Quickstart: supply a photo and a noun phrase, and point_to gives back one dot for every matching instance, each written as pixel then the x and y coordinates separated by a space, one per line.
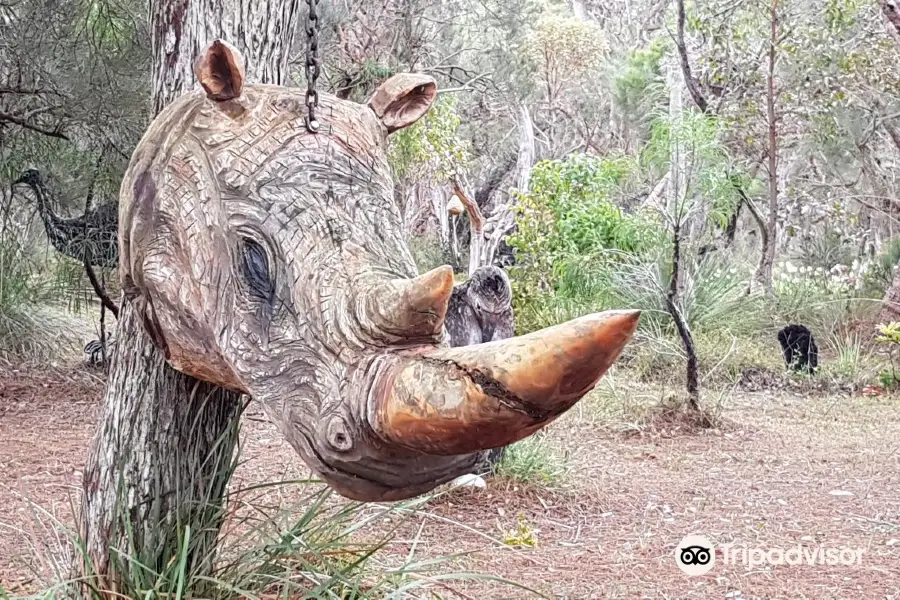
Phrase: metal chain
pixel 312 66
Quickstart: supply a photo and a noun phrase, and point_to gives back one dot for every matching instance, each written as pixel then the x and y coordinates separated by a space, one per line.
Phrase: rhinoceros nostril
pixel 338 435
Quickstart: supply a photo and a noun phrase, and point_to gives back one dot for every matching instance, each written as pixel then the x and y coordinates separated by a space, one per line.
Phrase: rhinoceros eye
pixel 255 267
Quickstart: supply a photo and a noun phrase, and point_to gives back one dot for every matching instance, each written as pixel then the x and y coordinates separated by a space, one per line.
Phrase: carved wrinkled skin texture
pixel 269 260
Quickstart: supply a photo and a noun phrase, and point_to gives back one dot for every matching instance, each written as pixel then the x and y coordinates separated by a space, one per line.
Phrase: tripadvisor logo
pixel 695 555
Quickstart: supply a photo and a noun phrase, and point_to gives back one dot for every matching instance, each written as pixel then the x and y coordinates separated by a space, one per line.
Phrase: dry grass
pixel 640 479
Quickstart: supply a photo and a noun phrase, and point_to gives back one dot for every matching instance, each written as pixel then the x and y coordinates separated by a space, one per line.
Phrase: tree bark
pixel 263 31
pixel 483 247
pixel 692 84
pixel 768 260
pixel 164 449
pixel 891 16
pixel 764 240
pixel 692 366
pixel 476 223
pixel 160 461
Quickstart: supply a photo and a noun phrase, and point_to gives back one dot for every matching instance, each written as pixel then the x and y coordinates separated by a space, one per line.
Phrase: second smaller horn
pixel 408 309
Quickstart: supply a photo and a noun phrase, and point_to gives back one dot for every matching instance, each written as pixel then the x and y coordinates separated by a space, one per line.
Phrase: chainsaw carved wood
pixel 269 260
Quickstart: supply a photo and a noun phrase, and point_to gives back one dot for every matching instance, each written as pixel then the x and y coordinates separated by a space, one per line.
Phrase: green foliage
pixel 889 335
pixel 577 251
pixel 712 291
pixel 321 547
pixel 851 357
pixel 430 148
pixel 367 79
pixel 568 216
pixel 575 195
pixel 523 536
pixel 841 14
pixel 427 253
pixel 824 251
pixel 820 303
pixel 888 379
pixel 105 25
pixel 709 175
pixel 639 88
pixel 881 271
pixel 32 323
pixel 566 47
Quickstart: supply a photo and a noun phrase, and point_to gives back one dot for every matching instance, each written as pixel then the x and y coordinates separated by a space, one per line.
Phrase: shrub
pixel 430 149
pixel 881 271
pixel 427 252
pixel 889 335
pixel 568 218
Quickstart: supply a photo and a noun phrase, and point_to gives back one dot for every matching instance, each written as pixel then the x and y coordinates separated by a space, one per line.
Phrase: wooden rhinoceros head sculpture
pixel 271 261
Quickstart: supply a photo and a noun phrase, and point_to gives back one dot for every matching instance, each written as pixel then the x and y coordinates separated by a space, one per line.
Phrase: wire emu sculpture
pixel 91 239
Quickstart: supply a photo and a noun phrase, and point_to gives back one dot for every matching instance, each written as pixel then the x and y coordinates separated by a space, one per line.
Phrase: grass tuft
pixel 534 462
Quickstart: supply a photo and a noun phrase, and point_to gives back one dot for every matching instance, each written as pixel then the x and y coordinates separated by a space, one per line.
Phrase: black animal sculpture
pixel 90 238
pixel 480 310
pixel 799 348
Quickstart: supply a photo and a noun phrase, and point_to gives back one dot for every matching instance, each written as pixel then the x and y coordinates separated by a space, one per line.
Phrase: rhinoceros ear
pixel 403 99
pixel 220 70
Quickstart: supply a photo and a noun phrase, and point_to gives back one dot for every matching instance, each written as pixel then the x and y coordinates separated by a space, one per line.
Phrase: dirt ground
pixel 781 470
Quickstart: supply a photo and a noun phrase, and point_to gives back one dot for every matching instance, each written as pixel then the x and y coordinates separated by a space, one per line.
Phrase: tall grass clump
pixel 316 546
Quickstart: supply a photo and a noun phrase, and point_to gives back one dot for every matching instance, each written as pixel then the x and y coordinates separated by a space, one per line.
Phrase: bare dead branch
pixel 693 85
pixel 24 124
pixel 472 209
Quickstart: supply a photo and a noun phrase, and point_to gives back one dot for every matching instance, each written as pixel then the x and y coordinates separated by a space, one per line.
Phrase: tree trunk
pixel 764 240
pixel 676 198
pixel 891 16
pixel 692 84
pixel 438 201
pixel 180 29
pixel 768 259
pixel 476 223
pixel 163 453
pixel 692 366
pixel 160 461
pixel 678 213
pixel 890 306
pixel 483 247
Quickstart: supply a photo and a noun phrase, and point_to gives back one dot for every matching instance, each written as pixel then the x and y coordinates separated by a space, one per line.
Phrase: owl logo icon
pixel 695 555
